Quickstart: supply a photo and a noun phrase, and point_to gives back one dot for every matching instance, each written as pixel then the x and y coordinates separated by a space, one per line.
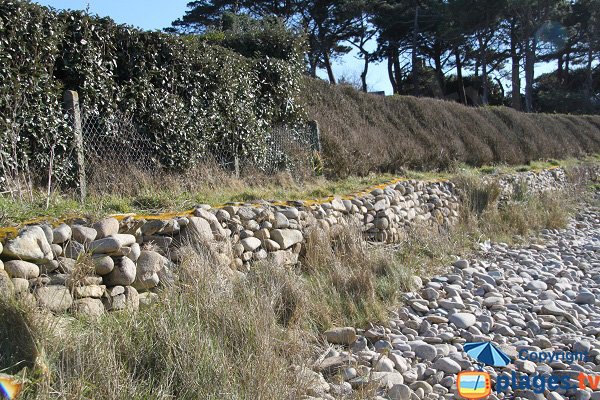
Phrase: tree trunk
pixel 390 59
pixel 329 68
pixel 484 75
pixel 439 72
pixel 363 75
pixel 530 49
pixel 516 69
pixel 397 71
pixel 560 67
pixel 459 78
pixel 415 58
pixel 312 63
pixel 589 82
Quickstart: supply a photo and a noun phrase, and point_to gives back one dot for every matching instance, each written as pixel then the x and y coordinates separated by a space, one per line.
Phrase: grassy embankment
pixel 364 133
pixel 213 335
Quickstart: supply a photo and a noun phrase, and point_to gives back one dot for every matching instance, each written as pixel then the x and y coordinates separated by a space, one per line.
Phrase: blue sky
pixel 158 14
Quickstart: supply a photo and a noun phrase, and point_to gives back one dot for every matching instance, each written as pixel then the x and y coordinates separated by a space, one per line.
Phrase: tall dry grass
pixel 216 334
pixel 364 133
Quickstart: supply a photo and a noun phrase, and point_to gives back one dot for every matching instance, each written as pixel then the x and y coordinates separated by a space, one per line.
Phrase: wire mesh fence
pixel 114 141
pixel 113 145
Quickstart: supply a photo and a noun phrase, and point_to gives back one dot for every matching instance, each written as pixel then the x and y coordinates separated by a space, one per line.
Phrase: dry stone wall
pixel 120 263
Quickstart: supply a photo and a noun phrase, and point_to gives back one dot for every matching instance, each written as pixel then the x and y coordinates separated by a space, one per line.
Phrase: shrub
pixel 190 97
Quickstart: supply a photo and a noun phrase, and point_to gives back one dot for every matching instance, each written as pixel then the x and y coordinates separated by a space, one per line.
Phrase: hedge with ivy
pixel 188 95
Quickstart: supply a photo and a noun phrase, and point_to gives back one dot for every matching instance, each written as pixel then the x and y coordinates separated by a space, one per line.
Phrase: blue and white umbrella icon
pixel 487 353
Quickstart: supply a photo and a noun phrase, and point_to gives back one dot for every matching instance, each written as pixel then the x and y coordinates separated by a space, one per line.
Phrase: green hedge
pixel 189 96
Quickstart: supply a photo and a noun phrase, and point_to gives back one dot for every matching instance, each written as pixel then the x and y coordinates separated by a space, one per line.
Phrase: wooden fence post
pixel 316 135
pixel 71 100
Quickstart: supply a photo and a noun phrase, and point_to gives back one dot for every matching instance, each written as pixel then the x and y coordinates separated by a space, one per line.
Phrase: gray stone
pixel 55 298
pixel 74 250
pixel 21 269
pixel 286 238
pixel 57 250
pixel 21 285
pixel 112 244
pixel 271 245
pixel 425 351
pixel 251 243
pixel 345 336
pixel 585 298
pixel 198 229
pixel 7 286
pixel 61 234
pixel 147 299
pixel 148 266
pixel 83 234
pixel 132 299
pixel 89 307
pixel 106 227
pixel 151 227
pixel 400 392
pixel 123 274
pixel 463 320
pixel 447 365
pixel 281 221
pixel 103 264
pixel 31 245
pixel 95 291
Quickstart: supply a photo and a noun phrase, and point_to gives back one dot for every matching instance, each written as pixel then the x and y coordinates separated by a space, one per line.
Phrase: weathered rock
pixel 286 238
pixel 83 234
pixel 251 243
pixel 61 234
pixel 57 250
pixel 55 298
pixel 103 264
pixel 106 227
pixel 20 285
pixel 21 269
pixel 7 287
pixel 95 291
pixel 271 245
pixel 151 227
pixel 31 245
pixel 123 273
pixel 90 307
pixel 463 320
pixel 198 229
pixel 400 392
pixel 132 299
pixel 147 299
pixel 74 250
pixel 148 265
pixel 345 336
pixel 447 365
pixel 112 244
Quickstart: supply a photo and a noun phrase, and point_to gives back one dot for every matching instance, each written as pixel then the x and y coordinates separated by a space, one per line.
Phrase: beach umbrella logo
pixel 487 353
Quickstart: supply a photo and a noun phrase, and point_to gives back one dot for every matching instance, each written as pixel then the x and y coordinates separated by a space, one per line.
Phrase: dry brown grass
pixel 215 334
pixel 363 133
pixel 210 336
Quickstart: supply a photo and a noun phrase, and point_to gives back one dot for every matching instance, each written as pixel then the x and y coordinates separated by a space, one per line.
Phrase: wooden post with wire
pixel 71 100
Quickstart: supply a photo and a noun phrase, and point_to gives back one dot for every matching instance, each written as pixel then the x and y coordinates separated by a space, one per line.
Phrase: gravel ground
pixel 527 300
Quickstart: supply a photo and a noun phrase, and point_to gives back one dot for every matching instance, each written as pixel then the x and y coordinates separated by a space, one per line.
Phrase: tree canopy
pixel 476 52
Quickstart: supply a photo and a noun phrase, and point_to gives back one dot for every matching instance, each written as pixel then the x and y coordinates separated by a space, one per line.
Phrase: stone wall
pixel 121 262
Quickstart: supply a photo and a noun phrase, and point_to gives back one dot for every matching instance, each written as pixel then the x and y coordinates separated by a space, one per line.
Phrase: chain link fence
pixel 112 145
